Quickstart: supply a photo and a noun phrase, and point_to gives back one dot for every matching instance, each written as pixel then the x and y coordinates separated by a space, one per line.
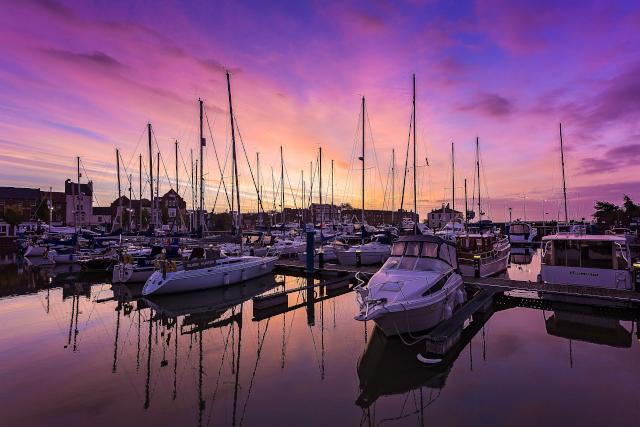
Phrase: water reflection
pixel 220 357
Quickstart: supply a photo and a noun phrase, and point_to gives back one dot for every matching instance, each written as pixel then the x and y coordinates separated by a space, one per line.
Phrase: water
pixel 71 355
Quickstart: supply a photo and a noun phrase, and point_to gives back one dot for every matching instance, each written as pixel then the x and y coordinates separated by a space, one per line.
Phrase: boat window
pixel 567 253
pixel 438 286
pixel 430 250
pixel 413 249
pixel 596 254
pixel 546 253
pixel 448 254
pixel 407 263
pixel 518 229
pixel 398 249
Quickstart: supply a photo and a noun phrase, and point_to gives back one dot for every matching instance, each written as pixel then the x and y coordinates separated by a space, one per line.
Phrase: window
pixel 596 254
pixel 397 249
pixel 567 253
pixel 438 286
pixel 413 249
pixel 430 250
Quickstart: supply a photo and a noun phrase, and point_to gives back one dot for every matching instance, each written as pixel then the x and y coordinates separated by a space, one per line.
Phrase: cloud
pixel 490 104
pixel 620 157
pixel 95 58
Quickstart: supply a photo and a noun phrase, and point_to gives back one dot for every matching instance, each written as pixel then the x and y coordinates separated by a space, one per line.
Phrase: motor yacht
pixel 417 287
pixel 586 259
pixel 372 253
pixel 521 232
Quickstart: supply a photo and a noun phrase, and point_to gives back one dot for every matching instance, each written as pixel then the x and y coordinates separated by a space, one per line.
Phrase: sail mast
pixel 140 193
pixel 235 163
pixel 393 182
pixel 152 222
pixel 202 144
pixel 320 191
pixel 466 207
pixel 478 170
pixel 282 185
pixel 362 231
pixel 177 182
pixel 415 192
pixel 332 205
pixel 453 178
pixel 119 191
pixel 564 183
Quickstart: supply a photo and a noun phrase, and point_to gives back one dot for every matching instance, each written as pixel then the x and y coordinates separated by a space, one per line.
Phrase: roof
pixel 72 187
pixel 19 193
pixel 586 237
pixel 424 238
pixel 100 210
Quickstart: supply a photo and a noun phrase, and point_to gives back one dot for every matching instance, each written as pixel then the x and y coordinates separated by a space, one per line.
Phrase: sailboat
pixel 375 252
pixel 201 273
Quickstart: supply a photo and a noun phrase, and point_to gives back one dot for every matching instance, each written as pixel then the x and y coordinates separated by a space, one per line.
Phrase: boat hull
pixel 35 251
pixel 594 277
pixel 488 267
pixel 366 258
pixel 207 278
pixel 128 273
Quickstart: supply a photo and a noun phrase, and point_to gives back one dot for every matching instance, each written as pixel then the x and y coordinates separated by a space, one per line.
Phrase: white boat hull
pixel 490 267
pixel 127 273
pixel 366 257
pixel 595 277
pixel 207 278
pixel 63 258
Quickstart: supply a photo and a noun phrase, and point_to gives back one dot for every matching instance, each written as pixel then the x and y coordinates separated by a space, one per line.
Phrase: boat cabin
pixel 584 259
pixel 422 253
pixel 519 228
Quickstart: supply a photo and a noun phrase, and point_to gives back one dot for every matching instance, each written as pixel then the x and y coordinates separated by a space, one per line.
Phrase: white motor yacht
pixel 198 274
pixel 483 252
pixel 588 260
pixel 371 253
pixel 522 232
pixel 416 288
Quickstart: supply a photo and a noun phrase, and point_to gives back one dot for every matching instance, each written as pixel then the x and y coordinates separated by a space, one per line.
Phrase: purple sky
pixel 82 78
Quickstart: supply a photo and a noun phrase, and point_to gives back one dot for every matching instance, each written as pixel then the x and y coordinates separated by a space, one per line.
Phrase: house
pixel 101 216
pixel 26 200
pixel 79 203
pixel 377 217
pixel 172 210
pixel 325 211
pixel 130 213
pixel 438 218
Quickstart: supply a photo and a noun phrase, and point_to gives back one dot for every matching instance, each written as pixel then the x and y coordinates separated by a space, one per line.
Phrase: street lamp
pixel 510 209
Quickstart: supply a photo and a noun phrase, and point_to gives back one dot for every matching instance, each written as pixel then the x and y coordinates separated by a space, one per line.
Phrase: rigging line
pixel 406 162
pixel 351 157
pixel 248 163
pixel 164 166
pixel 295 205
pixel 221 182
pixel 94 195
pixel 215 391
pixel 373 144
pixel 255 369
pixel 215 151
pixel 133 153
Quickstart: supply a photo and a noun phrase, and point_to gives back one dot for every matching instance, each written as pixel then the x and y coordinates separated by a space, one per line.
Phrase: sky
pixel 84 78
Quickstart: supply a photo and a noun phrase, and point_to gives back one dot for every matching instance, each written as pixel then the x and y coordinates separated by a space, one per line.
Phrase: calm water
pixel 71 354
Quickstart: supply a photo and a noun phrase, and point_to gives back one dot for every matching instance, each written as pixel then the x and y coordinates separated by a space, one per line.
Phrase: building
pixel 325 211
pixel 130 213
pixel 377 217
pixel 101 216
pixel 79 203
pixel 25 200
pixel 438 218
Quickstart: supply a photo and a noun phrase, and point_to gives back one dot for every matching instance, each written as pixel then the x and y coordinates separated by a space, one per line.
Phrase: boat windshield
pixel 518 228
pixel 585 254
pixel 420 256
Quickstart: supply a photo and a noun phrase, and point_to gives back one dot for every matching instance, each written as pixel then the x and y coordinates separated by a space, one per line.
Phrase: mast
pixel 50 208
pixel 282 185
pixel 453 178
pixel 303 185
pixel 152 222
pixel 466 207
pixel 202 144
pixel 564 183
pixel 158 175
pixel 119 191
pixel 140 194
pixel 478 170
pixel 77 195
pixel 177 184
pixel 130 211
pixel 258 179
pixel 362 158
pixel 235 164
pixel 332 205
pixel 393 182
pixel 415 192
pixel 193 194
pixel 320 190
pixel 196 192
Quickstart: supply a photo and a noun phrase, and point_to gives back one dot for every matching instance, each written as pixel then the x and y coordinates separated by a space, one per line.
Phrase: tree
pixel 607 213
pixel 13 215
pixel 345 206
pixel 631 210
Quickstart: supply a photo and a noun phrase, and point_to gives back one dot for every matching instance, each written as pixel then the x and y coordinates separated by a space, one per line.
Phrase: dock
pixel 487 296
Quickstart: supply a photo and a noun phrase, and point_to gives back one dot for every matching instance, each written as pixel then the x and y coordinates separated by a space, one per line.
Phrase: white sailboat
pixel 202 274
